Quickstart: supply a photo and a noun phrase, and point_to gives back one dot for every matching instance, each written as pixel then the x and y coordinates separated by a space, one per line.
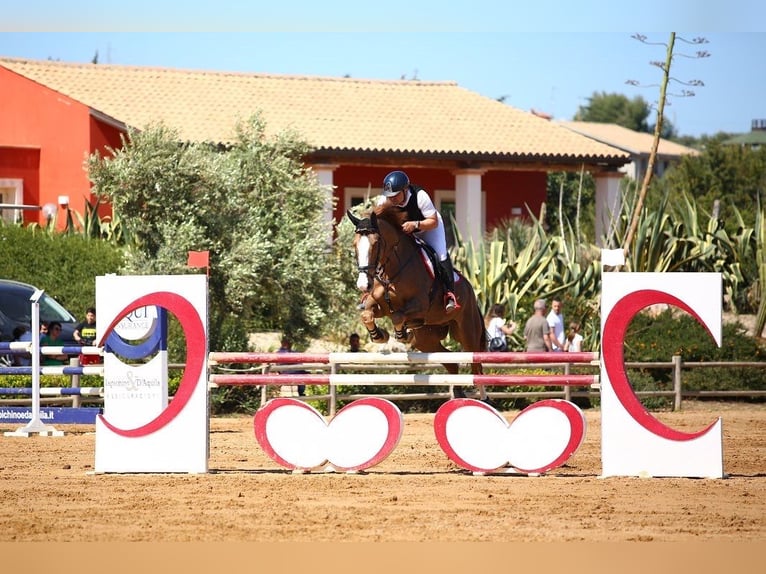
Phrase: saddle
pixel 431 262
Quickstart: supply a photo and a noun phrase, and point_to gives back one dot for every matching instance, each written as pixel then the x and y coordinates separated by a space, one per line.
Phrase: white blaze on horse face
pixel 363 260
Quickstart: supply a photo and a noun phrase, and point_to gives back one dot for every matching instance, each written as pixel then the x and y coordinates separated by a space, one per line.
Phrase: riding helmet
pixel 395 182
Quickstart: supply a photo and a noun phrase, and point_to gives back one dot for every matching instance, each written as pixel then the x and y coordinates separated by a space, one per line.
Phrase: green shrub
pixel 657 337
pixel 65 266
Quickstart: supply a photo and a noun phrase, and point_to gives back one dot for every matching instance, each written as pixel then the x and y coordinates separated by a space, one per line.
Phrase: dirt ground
pixel 49 493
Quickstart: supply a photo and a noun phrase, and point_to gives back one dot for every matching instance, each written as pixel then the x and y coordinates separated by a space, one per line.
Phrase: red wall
pixel 36 117
pixel 508 189
pixel 504 189
pixel 102 137
pixel 23 164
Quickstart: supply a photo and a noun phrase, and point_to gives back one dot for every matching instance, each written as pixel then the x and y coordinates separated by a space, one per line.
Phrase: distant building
pixel 637 144
pixel 755 139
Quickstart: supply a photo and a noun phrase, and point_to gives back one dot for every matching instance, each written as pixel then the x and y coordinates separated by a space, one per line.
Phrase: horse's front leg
pixel 370 311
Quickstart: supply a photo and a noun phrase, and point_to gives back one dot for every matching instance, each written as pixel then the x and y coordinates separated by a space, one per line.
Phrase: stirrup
pixel 451 303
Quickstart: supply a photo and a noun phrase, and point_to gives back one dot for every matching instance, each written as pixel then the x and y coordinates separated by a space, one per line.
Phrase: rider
pixel 423 220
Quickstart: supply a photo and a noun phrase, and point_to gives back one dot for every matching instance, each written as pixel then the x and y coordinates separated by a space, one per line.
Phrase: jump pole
pixel 403 358
pixel 403 379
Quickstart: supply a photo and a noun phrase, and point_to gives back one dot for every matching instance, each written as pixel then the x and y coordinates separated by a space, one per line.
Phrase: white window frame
pixel 448 196
pixel 12 192
pixel 357 193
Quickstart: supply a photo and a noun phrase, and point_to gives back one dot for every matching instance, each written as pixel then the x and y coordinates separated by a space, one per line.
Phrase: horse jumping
pixel 398 283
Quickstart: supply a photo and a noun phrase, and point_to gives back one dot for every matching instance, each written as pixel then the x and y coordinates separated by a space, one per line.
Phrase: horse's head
pixel 367 249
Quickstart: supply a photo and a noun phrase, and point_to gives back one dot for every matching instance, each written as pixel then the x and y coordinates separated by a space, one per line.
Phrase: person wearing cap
pixel 537 331
pixel 424 221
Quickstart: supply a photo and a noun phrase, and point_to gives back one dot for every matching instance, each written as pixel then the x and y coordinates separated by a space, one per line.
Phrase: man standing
pixel 85 335
pixel 556 324
pixel 537 331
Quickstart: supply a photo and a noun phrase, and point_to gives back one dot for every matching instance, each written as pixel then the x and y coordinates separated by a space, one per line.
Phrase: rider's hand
pixel 410 226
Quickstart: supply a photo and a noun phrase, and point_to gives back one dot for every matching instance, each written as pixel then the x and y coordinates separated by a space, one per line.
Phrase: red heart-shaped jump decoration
pixel 476 437
pixel 296 436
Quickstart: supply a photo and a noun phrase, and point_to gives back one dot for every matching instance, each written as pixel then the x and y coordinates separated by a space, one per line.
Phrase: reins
pixel 387 254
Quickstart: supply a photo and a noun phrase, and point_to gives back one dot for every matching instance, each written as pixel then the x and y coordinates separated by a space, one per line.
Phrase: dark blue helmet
pixel 395 182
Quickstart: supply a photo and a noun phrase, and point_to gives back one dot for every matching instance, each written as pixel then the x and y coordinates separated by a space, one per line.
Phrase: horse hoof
pixel 458 393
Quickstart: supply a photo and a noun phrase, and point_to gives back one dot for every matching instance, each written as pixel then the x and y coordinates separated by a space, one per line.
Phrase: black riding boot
pixel 448 276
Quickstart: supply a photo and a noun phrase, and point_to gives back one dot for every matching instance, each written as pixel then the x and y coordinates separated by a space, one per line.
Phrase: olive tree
pixel 252 204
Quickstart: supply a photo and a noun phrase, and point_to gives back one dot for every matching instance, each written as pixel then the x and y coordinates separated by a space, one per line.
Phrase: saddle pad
pixel 430 265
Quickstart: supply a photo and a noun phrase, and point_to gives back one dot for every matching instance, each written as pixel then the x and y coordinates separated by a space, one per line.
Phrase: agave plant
pixel 760 258
pixel 107 228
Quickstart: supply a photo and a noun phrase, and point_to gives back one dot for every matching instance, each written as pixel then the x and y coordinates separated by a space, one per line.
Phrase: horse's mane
pixel 392 214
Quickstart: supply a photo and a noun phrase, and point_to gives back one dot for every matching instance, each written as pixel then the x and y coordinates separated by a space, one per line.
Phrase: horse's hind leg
pixel 456 391
pixel 477 369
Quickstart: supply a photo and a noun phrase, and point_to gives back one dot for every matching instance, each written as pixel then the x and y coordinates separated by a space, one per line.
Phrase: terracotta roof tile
pixel 636 143
pixel 330 113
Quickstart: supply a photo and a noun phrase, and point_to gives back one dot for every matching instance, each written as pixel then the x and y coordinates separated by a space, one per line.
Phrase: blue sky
pixel 551 57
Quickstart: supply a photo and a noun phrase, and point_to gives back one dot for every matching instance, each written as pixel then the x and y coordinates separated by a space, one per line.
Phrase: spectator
pixel 353 343
pixel 22 334
pixel 574 340
pixel 497 329
pixel 556 324
pixel 287 347
pixel 85 335
pixel 537 331
pixel 50 339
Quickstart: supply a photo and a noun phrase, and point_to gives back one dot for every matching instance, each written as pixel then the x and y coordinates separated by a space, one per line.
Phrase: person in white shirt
pixel 556 323
pixel 497 329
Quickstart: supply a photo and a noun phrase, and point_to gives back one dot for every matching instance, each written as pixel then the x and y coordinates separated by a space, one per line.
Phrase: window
pixel 354 196
pixel 444 200
pixel 12 192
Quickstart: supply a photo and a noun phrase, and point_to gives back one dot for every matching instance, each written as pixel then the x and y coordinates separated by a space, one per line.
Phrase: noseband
pixel 366 228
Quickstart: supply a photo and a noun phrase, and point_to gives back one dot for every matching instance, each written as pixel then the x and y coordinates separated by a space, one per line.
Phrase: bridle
pixel 373 268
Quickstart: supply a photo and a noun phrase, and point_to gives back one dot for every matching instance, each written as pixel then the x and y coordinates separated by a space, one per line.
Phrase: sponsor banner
pixel 51 415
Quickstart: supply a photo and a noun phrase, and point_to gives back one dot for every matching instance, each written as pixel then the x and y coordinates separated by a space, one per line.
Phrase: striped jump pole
pixel 333 380
pixel 403 358
pixel 97 370
pixel 55 391
pixel 403 379
pixel 25 347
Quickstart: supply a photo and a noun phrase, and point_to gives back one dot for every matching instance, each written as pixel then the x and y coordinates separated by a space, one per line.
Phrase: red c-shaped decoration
pixel 194 332
pixel 612 350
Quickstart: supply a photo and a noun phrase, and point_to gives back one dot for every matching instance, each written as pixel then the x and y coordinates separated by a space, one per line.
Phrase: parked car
pixel 16 309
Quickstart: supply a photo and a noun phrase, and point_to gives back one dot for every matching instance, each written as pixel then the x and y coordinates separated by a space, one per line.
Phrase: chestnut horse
pixel 398 283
